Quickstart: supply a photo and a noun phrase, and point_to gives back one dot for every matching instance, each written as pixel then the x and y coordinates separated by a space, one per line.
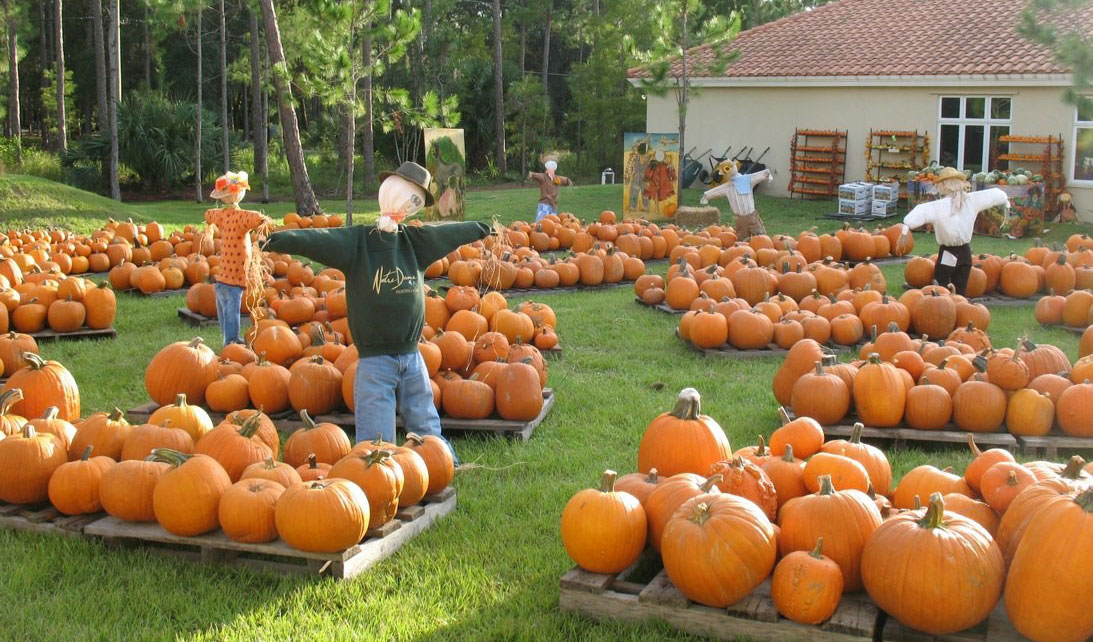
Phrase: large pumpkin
pixel 192 419
pixel 936 572
pixel 187 495
pixel 44 384
pixel 879 394
pixel 717 548
pixel 326 441
pixel 27 461
pixel 184 367
pixel 235 446
pixel 379 476
pixel 126 489
pixel 871 458
pixel 683 440
pixel 247 509
pixel 315 386
pixel 438 459
pixel 106 432
pixel 74 486
pixel 322 516
pixel 518 396
pixel 604 530
pixel 820 395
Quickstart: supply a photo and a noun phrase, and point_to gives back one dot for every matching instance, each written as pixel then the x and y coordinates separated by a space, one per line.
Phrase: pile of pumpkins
pixel 1073 311
pixel 59 251
pixel 318 493
pixel 39 301
pixel 482 360
pixel 823 519
pixel 293 221
pixel 1042 270
pixel 900 381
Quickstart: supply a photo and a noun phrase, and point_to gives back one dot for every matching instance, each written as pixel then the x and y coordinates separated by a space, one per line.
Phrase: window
pixel 1083 143
pixel 969 128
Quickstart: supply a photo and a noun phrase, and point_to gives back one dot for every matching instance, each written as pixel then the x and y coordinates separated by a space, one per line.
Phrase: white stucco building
pixel 956 69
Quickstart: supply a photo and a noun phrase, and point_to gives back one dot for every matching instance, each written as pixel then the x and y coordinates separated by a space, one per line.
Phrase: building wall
pixel 760 116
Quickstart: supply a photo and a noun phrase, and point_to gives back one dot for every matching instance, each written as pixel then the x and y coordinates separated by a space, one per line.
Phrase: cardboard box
pixel 854 207
pixel 886 192
pixel 855 191
pixel 884 208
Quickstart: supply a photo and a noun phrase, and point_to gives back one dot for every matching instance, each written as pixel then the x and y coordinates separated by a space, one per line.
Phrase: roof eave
pixel 962 80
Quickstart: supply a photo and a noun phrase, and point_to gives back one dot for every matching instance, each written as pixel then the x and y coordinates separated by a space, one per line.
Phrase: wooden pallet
pixel 572 288
pixel 899 436
pixel 1049 445
pixel 727 351
pixel 663 307
pixel 888 260
pixel 278 556
pixel 996 299
pixel 617 597
pixel 82 333
pixel 198 320
pixel 521 429
pixel 1069 328
pixel 284 419
pixel 43 518
pixel 156 295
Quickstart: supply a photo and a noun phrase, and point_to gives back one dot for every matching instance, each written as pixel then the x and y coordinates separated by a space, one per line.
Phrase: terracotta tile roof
pixel 889 38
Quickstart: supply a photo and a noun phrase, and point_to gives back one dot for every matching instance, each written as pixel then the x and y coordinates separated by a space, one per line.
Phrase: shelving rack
pixel 817 164
pixel 1050 161
pixel 890 154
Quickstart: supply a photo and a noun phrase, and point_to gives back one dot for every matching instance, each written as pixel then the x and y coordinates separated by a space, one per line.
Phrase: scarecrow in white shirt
pixel 738 191
pixel 953 217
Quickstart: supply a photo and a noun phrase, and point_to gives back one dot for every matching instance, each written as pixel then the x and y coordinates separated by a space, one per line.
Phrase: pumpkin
pixel 27 461
pixel 326 441
pixel 879 394
pixel 717 548
pixel 192 419
pixel 519 396
pixel 415 475
pixel 845 473
pixel 379 476
pixel 973 509
pixel 183 367
pixel 267 432
pixel 1045 598
pixel 268 386
pixel 247 510
pixel 683 440
pixel 312 470
pixel 322 516
pixel 803 433
pixel 871 458
pixel 1073 410
pixel 821 396
pixel 925 480
pixel 12 348
pixel 604 530
pixel 979 406
pixel 125 490
pixel 44 384
pixel 74 486
pixel 934 315
pixel 1030 413
pixel 982 461
pixel 1030 501
pixel 234 446
pixel 845 519
pixel 272 470
pixel 800 360
pixel 1007 371
pixel 106 432
pixel 640 485
pixel 1001 483
pixel 227 393
pixel 744 478
pixel 145 438
pixel 187 495
pixel 669 495
pixel 936 572
pixel 438 458
pixel 787 475
pixel 806 586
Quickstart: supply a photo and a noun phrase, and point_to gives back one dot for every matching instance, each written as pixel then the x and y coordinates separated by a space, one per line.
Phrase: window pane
pixel 998 149
pixel 949 147
pixel 1000 108
pixel 1085 112
pixel 950 107
pixel 974 107
pixel 973 148
pixel 1083 155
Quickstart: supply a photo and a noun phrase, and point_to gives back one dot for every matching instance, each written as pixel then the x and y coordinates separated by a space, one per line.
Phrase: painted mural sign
pixel 650 167
pixel 445 158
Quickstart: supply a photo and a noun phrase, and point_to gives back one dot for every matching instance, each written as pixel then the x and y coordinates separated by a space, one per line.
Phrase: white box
pixel 884 208
pixel 854 207
pixel 886 192
pixel 855 191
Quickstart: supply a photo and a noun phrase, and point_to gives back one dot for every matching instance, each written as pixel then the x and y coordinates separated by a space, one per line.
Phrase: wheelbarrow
pixel 749 166
pixel 692 168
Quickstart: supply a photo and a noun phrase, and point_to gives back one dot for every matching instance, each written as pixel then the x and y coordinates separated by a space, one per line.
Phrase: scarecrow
pixel 738 189
pixel 240 265
pixel 953 217
pixel 383 266
pixel 548 188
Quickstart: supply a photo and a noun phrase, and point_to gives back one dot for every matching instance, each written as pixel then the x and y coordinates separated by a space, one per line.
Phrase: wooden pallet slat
pixel 193 318
pixel 285 419
pixel 82 333
pixel 1049 445
pixel 900 435
pixel 43 518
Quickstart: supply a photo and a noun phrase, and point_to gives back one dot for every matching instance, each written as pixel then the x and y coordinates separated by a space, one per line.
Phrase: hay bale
pixel 698 216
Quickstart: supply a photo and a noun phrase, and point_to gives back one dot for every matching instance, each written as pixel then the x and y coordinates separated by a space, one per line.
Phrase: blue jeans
pixel 228 300
pixel 384 379
pixel 544 210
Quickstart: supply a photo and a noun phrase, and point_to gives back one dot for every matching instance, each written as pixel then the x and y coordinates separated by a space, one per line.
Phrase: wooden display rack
pixel 1049 157
pixel 817 162
pixel 890 154
pixel 277 556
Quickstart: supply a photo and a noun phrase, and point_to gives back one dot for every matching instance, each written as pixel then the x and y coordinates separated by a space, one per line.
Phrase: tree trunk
pixel 117 48
pixel 100 61
pixel 44 59
pixel 112 44
pixel 546 46
pixel 498 89
pixel 523 46
pixel 350 148
pixel 147 48
pixel 62 125
pixel 259 122
pixel 755 22
pixel 225 126
pixel 198 191
pixel 306 203
pixel 684 81
pixel 368 139
pixel 13 75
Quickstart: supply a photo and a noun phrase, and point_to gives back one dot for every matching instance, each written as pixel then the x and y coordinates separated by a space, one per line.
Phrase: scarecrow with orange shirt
pixel 239 263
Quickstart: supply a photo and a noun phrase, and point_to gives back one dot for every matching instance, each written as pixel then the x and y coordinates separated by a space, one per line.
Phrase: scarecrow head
pixel 230 188
pixel 403 193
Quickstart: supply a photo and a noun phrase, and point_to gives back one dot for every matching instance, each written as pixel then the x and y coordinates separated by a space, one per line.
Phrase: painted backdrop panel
pixel 446 160
pixel 650 167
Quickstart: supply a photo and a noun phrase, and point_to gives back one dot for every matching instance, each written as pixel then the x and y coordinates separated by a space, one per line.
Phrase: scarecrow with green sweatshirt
pixel 383 266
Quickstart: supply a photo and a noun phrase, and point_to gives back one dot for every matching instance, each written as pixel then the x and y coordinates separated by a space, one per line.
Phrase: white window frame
pixel 962 121
pixel 1072 161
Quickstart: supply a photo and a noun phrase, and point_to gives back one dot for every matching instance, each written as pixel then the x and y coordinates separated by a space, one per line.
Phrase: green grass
pixel 490 570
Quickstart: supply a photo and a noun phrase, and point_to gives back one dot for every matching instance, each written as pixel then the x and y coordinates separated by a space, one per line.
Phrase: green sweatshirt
pixel 384 272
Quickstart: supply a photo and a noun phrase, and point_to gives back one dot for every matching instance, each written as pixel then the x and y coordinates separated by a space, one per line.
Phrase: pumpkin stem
pixel 761 450
pixel 50 413
pixel 312 461
pixel 86 453
pixel 701 513
pixel 688 405
pixel 783 415
pixel 250 426
pixel 1085 500
pixel 195 342
pixel 788 456
pixel 1073 468
pixel 826 487
pixel 379 456
pixel 116 414
pixel 607 482
pixel 9 398
pixel 28 431
pixel 935 513
pixel 309 423
pixel 817 552
pixel 711 482
pixel 269 464
pixel 169 456
pixel 872 492
pixel 855 434
pixel 975 449
pixel 820 368
pixel 34 362
pixel 652 478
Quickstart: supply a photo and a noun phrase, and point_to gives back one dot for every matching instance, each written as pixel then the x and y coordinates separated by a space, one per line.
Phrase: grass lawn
pixel 490 570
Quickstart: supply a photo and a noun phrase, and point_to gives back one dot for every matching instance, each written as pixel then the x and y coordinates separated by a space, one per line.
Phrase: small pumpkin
pixel 247 510
pixel 806 587
pixel 187 496
pixel 322 516
pixel 604 530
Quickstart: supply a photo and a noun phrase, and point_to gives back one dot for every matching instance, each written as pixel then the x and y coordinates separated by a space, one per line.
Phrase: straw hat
pixel 950 174
pixel 230 184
